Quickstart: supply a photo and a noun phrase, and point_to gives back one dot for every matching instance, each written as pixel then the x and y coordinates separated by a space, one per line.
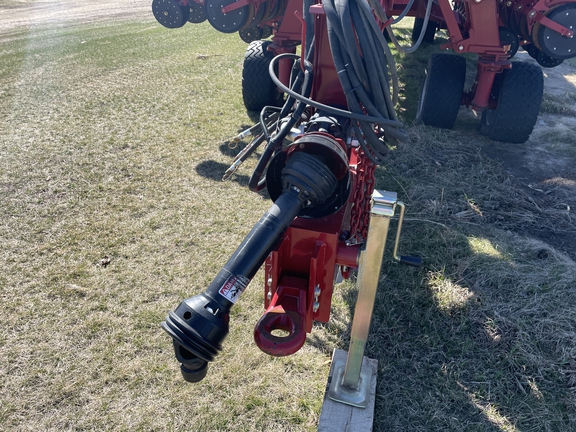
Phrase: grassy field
pixel 112 146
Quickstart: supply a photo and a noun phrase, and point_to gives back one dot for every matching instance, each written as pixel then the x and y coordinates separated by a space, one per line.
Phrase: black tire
pixel 258 89
pixel 519 96
pixel 430 30
pixel 442 91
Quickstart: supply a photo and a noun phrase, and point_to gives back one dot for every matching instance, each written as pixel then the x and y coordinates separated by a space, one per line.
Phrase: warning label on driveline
pixel 233 287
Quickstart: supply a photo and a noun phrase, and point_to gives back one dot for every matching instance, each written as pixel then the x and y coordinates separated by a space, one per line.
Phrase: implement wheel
pixel 430 31
pixel 519 94
pixel 442 91
pixel 229 22
pixel 258 89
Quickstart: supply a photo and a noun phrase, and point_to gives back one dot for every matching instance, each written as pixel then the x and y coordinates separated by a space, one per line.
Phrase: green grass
pixel 111 145
pixel 105 137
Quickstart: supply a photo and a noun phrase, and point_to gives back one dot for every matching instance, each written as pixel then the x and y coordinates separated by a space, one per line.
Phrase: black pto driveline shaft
pixel 200 323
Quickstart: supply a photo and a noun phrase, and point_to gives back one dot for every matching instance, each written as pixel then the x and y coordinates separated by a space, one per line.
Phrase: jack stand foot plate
pixel 357 397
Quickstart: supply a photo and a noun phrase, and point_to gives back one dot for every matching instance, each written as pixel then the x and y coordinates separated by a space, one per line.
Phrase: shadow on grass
pixel 254 116
pixel 214 171
pixel 454 350
pixel 478 338
pixel 481 337
pixel 231 150
pixel 455 357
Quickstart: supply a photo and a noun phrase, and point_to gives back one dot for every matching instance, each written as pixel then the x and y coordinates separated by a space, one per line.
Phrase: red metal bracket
pixel 487 71
pixel 317 9
pixel 236 5
pixel 553 25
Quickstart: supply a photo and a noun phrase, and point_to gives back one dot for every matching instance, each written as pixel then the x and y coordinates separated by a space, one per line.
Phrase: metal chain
pixel 365 182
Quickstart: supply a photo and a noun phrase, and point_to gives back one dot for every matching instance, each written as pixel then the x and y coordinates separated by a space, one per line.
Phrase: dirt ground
pixel 543 166
pixel 535 161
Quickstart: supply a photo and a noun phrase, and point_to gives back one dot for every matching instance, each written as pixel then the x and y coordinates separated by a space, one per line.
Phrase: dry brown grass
pixel 482 338
pixel 111 146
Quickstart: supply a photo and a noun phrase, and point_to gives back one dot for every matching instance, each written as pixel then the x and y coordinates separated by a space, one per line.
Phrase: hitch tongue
pixel 280 331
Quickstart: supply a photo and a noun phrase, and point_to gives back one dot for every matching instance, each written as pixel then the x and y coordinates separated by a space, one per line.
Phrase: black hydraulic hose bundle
pixel 363 73
pixel 378 10
pixel 327 108
pixel 303 82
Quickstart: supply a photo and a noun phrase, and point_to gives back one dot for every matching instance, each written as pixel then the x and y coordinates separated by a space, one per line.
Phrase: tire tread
pixel 443 90
pixel 519 100
pixel 258 89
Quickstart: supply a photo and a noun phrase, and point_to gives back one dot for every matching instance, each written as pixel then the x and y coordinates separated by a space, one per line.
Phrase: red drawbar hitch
pixel 286 313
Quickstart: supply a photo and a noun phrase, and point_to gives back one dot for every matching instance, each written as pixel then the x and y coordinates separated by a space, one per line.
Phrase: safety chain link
pixel 365 182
